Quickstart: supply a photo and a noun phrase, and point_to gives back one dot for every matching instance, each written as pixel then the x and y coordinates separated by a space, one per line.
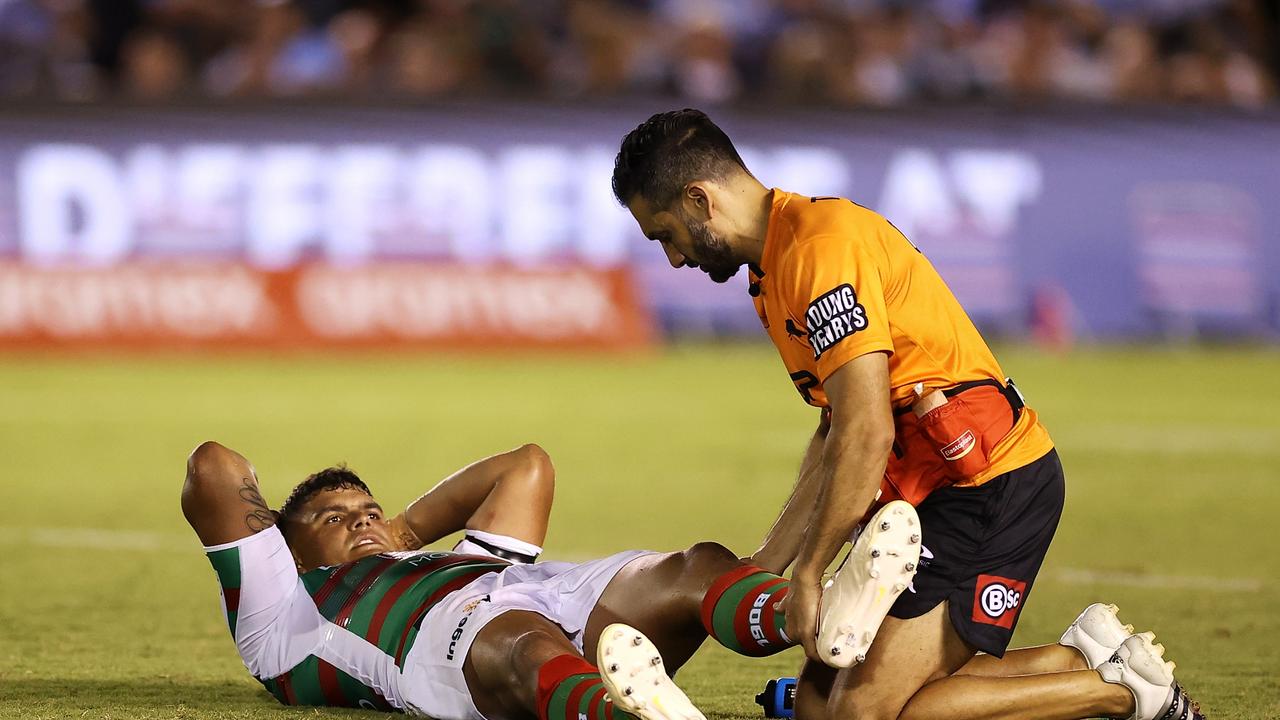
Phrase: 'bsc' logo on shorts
pixel 996 600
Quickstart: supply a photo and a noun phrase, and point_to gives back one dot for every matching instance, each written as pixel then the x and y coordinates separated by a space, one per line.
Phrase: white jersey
pixel 388 631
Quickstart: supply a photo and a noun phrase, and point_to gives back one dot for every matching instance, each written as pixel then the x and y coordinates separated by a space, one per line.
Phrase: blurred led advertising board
pixel 143 305
pixel 447 226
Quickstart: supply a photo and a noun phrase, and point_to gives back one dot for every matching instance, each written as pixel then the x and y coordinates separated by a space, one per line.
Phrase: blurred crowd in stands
pixel 879 53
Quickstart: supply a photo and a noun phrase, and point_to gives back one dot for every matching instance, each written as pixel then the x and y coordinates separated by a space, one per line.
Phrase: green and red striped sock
pixel 570 688
pixel 738 611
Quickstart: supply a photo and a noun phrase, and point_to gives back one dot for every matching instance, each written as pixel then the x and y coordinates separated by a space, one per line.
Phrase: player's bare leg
pixel 505 660
pixel 677 598
pixel 522 666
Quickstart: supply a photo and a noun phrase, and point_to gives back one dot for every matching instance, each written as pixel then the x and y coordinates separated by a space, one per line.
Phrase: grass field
pixel 108 608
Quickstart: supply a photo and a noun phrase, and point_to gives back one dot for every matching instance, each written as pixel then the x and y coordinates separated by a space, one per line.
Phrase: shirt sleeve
pixel 835 291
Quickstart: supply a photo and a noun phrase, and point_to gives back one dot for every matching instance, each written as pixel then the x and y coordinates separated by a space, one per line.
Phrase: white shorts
pixel 432 683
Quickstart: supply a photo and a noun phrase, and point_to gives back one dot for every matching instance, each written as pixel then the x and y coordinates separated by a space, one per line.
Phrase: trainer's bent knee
pixel 842 705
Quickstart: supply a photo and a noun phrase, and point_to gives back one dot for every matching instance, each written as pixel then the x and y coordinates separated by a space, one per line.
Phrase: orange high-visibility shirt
pixel 837 281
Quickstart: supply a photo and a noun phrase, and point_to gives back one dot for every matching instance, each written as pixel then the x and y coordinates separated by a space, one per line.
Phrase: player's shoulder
pixel 817 217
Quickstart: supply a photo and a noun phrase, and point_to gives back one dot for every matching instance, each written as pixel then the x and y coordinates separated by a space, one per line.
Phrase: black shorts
pixel 982 548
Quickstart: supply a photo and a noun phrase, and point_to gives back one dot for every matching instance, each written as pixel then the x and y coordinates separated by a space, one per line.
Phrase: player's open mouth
pixel 366 540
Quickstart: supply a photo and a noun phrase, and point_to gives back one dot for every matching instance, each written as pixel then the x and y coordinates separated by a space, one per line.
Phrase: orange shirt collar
pixel 772 240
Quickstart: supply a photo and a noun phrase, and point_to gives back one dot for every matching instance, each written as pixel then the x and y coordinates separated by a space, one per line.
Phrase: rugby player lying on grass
pixel 327 608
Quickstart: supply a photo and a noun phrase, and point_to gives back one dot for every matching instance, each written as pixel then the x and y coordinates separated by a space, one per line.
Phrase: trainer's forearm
pixel 852 467
pixel 782 543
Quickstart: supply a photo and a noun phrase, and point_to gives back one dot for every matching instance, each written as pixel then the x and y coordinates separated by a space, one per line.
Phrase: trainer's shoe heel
pixel 876 571
pixel 1138 665
pixel 1096 633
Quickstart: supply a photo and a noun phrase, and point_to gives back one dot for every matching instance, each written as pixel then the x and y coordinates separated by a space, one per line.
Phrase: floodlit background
pixel 382 232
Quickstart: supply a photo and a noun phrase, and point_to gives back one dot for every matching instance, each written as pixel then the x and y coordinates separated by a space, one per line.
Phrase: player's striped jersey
pixel 380 599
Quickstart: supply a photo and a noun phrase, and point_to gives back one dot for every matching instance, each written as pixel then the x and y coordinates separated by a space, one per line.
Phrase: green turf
pixel 1172 457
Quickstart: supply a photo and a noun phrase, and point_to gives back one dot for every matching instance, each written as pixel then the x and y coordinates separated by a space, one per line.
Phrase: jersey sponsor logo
pixel 457 635
pixel 754 619
pixel 834 316
pixel 457 632
pixel 996 600
pixel 959 447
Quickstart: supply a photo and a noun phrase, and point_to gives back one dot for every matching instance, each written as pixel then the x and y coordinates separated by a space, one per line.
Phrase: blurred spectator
pixel 845 52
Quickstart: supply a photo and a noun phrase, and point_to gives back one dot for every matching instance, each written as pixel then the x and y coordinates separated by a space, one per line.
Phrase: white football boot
pixel 635 678
pixel 1097 633
pixel 875 572
pixel 1139 666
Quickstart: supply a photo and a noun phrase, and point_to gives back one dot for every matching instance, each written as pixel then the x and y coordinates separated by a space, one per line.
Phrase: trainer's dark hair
pixel 669 150
pixel 339 477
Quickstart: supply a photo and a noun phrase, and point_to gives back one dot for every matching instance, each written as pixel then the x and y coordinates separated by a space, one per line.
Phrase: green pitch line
pixel 110 611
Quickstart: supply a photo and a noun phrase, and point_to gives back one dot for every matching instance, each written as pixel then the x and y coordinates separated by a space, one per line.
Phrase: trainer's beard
pixel 714 256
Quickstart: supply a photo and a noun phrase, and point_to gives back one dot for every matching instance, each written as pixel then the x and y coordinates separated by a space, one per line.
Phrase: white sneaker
pixel 1139 666
pixel 635 678
pixel 875 572
pixel 1097 633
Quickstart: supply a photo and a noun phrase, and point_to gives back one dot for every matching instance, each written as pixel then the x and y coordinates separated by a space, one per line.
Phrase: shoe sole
pixel 635 678
pixel 876 571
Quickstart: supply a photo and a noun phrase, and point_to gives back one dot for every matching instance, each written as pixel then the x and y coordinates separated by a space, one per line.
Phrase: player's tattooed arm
pixel 220 496
pixel 259 516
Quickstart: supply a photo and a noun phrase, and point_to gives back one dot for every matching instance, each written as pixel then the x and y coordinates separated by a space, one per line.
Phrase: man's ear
pixel 697 201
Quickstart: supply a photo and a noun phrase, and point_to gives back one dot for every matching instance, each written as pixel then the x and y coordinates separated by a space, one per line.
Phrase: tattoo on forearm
pixel 409 541
pixel 260 517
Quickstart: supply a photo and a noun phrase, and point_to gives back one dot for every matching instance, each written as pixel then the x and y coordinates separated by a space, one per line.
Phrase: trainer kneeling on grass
pixel 913 407
pixel 331 603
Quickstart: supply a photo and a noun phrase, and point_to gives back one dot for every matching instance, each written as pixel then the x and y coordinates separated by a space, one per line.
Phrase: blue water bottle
pixel 779 698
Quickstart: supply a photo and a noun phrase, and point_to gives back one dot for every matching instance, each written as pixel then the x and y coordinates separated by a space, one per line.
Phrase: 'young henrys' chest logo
pixel 834 316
